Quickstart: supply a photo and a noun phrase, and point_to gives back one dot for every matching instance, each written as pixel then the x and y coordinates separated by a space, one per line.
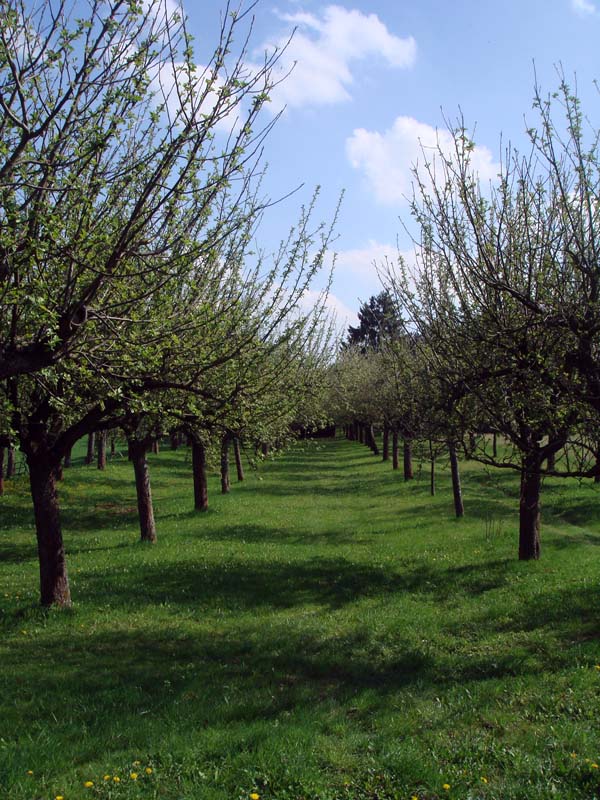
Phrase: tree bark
pixel 408 468
pixel 68 461
pixel 155 447
pixel 137 450
pixel 386 442
pixel 11 467
pixel 101 450
pixel 265 449
pixel 54 582
pixel 529 508
pixel 238 459
pixel 432 470
pixel 395 459
pixel 370 440
pixel 200 475
pixel 225 483
pixel 90 448
pixel 2 452
pixel 174 440
pixel 459 508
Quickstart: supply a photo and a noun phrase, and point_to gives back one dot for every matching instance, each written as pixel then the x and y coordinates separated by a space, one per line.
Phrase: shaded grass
pixel 325 631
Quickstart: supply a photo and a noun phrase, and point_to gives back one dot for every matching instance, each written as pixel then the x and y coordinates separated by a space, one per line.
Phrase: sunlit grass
pixel 324 631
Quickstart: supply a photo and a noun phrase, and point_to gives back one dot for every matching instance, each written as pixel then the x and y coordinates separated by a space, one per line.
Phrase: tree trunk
pixel 174 440
pixel 596 476
pixel 386 442
pixel 54 583
pixel 2 452
pixel 265 449
pixel 495 444
pixel 137 451
pixel 432 470
pixel 225 483
pixel 551 462
pixel 238 459
pixel 459 508
pixel 200 475
pixel 102 450
pixel 156 447
pixel 395 459
pixel 11 467
pixel 371 440
pixel 529 509
pixel 67 461
pixel 91 443
pixel 408 468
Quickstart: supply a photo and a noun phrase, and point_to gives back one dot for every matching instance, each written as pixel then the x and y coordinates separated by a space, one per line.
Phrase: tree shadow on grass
pixel 247 585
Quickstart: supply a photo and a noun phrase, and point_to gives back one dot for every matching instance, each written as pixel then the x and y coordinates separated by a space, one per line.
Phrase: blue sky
pixel 372 79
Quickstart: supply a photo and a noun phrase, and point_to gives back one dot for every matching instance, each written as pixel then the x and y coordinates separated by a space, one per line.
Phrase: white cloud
pixel 386 159
pixel 342 314
pixel 583 7
pixel 324 49
pixel 363 262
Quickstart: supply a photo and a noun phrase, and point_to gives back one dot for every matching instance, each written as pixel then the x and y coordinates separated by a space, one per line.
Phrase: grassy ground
pixel 325 631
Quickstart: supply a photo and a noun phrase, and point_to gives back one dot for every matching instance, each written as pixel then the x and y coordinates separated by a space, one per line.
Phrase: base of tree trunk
pixel 54 582
pixel 200 475
pixel 530 509
pixel 137 450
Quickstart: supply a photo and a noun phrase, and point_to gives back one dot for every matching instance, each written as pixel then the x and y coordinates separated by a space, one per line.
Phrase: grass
pixel 324 632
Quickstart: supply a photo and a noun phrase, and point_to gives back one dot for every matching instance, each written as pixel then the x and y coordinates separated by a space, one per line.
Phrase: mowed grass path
pixel 326 632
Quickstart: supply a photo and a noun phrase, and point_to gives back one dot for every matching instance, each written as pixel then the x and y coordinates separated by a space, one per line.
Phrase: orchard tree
pixel 126 219
pixel 490 299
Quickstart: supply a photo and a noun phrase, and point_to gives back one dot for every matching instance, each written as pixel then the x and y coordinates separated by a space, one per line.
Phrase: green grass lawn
pixel 324 631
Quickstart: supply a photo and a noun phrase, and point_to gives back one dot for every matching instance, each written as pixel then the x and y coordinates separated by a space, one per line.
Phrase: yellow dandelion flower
pixel 116 779
pixel 446 787
pixel 59 797
pixel 106 778
pixel 573 755
pixel 414 797
pixel 88 784
pixel 148 770
pixel 136 763
pixel 598 667
pixel 254 796
pixel 594 766
pixel 30 772
pixel 133 776
pixel 484 779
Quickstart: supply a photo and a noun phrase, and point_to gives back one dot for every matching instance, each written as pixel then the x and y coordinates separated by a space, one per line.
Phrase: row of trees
pixel 132 294
pixel 500 315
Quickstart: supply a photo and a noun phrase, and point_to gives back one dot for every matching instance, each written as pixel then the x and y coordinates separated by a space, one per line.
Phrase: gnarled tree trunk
pixel 370 440
pixel 91 445
pixel 101 450
pixel 386 442
pixel 54 582
pixel 11 467
pixel 529 507
pixel 432 470
pixel 225 483
pixel 137 452
pixel 408 468
pixel 459 508
pixel 200 474
pixel 238 459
